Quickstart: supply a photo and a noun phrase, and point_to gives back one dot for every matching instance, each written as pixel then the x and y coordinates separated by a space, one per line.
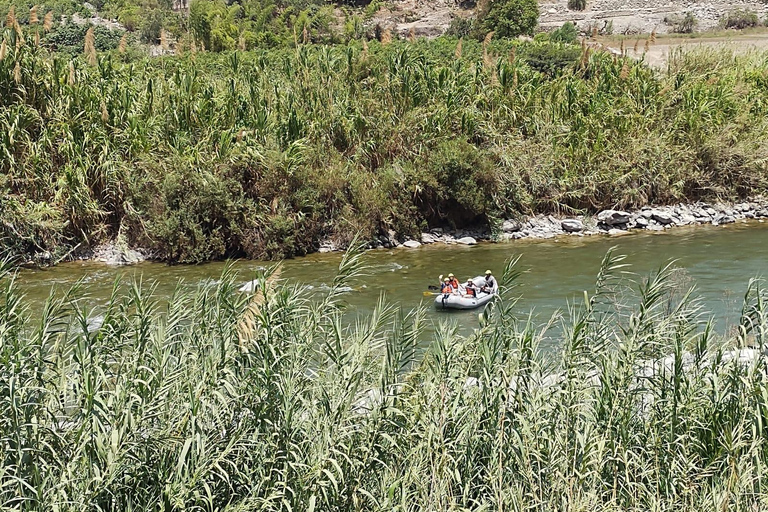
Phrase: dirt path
pixel 658 53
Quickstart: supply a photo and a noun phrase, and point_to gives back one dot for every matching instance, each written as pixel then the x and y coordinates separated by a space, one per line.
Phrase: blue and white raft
pixel 462 300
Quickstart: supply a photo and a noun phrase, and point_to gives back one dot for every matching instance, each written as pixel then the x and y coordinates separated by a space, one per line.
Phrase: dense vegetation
pixel 263 153
pixel 218 401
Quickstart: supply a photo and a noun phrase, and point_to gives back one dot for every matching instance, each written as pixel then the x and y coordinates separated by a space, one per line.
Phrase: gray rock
pixel 572 225
pixel 428 238
pixel 467 240
pixel 613 217
pixel 411 244
pixel 510 226
pixel 662 217
pixel 725 219
pixel 436 231
pixel 641 222
pixel 687 218
pixel 616 231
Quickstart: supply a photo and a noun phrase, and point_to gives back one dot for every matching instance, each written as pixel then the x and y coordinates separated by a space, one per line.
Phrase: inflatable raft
pixel 463 301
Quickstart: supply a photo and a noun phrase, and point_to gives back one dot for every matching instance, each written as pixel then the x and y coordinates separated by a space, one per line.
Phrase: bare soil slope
pixel 430 18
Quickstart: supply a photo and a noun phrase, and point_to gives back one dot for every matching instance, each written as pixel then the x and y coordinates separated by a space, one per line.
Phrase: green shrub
pixel 550 59
pixel 577 5
pixel 461 27
pixel 739 19
pixel 568 34
pixel 70 38
pixel 510 18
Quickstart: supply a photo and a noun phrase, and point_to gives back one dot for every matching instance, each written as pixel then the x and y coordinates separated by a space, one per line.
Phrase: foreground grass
pixel 263 154
pixel 218 401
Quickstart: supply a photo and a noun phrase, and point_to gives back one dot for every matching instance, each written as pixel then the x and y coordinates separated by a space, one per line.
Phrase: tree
pixel 510 18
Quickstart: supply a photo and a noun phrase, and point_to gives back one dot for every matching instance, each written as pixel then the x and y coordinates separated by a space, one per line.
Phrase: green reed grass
pixel 180 404
pixel 264 153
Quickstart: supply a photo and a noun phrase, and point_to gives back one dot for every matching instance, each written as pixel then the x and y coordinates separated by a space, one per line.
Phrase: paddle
pixel 430 294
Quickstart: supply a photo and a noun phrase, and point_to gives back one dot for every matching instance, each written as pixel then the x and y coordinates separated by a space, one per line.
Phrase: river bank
pixel 606 222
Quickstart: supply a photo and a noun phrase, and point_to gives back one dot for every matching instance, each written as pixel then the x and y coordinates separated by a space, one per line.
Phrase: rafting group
pixel 472 294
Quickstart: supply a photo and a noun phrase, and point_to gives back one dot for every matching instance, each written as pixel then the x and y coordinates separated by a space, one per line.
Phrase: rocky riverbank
pixel 606 222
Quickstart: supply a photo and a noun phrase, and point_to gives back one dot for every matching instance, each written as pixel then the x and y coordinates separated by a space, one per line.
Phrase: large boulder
pixel 428 238
pixel 572 225
pixel 411 244
pixel 662 217
pixel 613 217
pixel 467 240
pixel 510 226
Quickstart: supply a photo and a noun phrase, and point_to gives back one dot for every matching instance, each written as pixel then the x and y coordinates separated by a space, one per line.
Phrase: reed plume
pixel 412 35
pixel 48 21
pixel 386 36
pixel 33 19
pixel 123 43
pixel 71 78
pixel 3 50
pixel 305 35
pixel 90 47
pixel 10 18
pixel 459 48
pixel 248 327
pixel 17 73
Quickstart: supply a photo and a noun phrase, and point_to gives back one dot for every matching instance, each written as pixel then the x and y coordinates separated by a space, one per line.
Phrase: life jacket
pixel 471 291
pixel 455 283
pixel 446 287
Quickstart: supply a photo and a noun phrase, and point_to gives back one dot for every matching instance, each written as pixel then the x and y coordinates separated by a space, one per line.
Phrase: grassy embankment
pixel 222 402
pixel 261 154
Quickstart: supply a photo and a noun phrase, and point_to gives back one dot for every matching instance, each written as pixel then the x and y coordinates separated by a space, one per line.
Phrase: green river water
pixel 719 260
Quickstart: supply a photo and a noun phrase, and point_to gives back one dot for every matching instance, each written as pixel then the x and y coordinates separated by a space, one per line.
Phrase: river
pixel 720 260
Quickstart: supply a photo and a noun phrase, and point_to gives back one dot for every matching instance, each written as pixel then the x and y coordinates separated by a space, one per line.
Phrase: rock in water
pixel 467 240
pixel 572 225
pixel 411 244
pixel 613 217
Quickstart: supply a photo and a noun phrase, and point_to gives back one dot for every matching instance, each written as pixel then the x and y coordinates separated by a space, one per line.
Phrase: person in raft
pixel 445 286
pixel 490 283
pixel 454 282
pixel 471 289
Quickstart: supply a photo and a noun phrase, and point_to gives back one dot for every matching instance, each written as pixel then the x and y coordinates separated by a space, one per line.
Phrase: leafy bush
pixel 70 38
pixel 685 24
pixel 551 59
pixel 461 27
pixel 568 34
pixel 577 5
pixel 510 18
pixel 739 19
